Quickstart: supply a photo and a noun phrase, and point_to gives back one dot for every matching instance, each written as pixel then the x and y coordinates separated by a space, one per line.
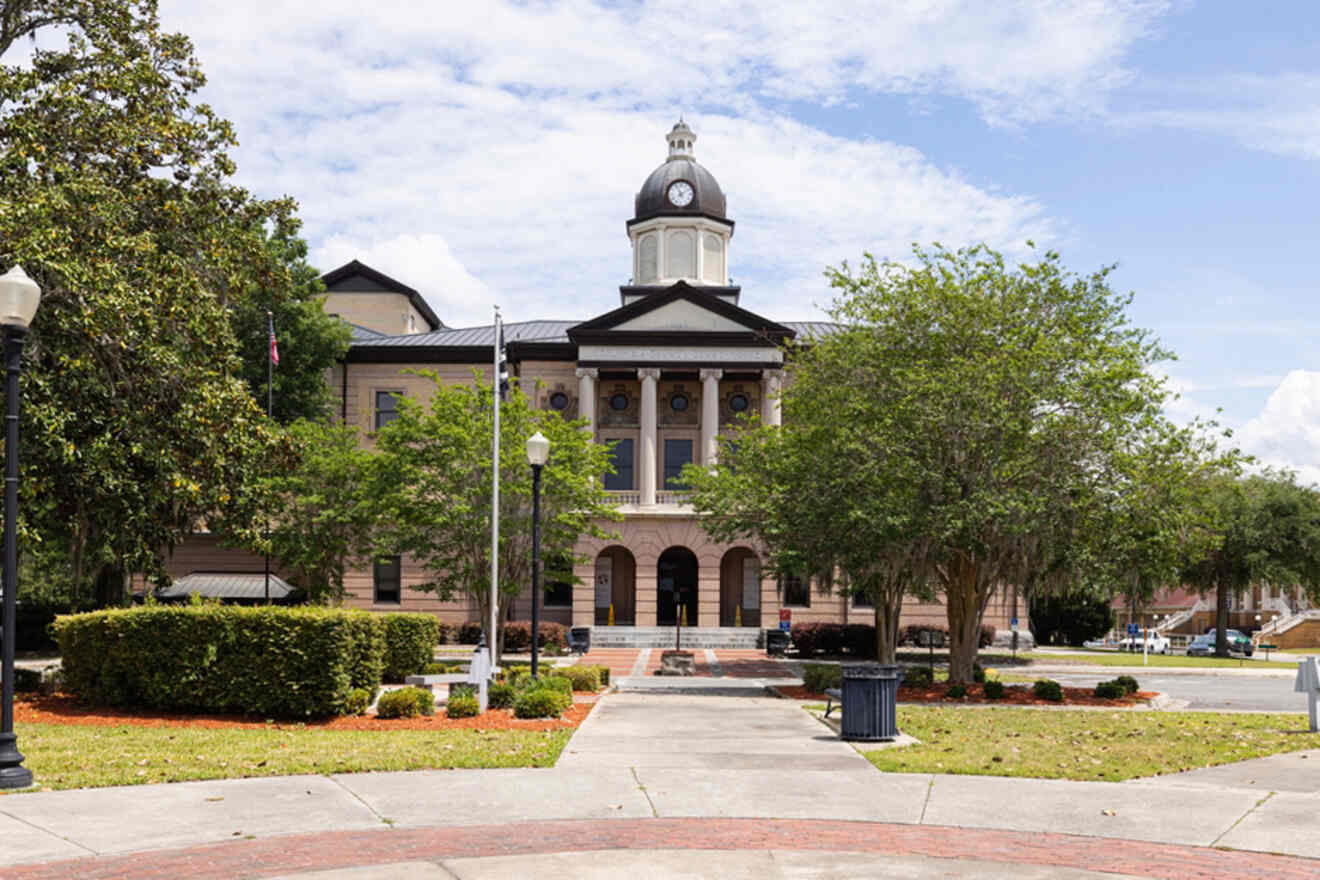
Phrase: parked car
pixel 1204 645
pixel 1155 644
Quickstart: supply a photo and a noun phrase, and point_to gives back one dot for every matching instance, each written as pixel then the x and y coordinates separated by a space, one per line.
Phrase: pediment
pixel 683 314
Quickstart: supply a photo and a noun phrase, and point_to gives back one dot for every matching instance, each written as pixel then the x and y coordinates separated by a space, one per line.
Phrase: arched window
pixel 646 259
pixel 681 251
pixel 712 268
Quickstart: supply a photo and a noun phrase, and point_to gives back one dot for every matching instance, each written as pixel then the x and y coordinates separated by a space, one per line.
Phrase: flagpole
pixel 495 496
pixel 270 400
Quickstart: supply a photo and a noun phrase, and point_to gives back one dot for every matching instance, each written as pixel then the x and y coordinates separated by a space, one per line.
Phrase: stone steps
pixel 744 637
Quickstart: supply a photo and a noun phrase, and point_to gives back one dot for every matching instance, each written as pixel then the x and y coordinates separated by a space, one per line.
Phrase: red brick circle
pixel 344 849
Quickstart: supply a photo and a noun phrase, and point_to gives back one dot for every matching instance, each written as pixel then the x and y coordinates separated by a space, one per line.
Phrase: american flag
pixel 274 349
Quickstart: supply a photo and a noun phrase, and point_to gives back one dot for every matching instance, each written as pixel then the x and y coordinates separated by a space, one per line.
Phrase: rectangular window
pixel 796 590
pixel 386 579
pixel 387 407
pixel 862 601
pixel 558 582
pixel 677 454
pixel 622 478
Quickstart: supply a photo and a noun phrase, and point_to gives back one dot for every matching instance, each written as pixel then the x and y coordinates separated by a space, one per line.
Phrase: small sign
pixel 1014 624
pixel 1133 629
pixel 785 619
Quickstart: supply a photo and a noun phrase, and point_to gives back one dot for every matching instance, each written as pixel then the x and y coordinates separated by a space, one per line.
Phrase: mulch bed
pixel 64 709
pixel 1014 695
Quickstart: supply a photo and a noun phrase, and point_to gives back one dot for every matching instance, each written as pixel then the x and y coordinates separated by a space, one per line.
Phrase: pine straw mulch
pixel 1014 695
pixel 64 709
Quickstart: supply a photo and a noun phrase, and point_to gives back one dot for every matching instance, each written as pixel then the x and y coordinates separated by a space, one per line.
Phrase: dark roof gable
pixel 599 327
pixel 343 277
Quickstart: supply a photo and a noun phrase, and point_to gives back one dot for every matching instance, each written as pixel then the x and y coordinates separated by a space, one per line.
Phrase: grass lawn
pixel 78 756
pixel 1114 658
pixel 1085 745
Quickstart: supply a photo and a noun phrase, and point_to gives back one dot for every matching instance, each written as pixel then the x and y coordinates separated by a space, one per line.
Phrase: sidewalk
pixel 667 775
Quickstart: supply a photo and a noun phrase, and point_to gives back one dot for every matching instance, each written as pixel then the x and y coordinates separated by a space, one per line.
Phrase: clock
pixel 680 193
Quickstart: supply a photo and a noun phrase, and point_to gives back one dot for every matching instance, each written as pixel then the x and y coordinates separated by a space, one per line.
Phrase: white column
pixel 710 415
pixel 771 385
pixel 646 460
pixel 587 398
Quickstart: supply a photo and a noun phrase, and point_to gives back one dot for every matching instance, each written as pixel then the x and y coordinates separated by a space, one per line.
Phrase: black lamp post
pixel 538 450
pixel 19 297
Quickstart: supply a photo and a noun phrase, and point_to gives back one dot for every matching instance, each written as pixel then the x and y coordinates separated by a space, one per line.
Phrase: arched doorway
pixel 676 587
pixel 616 587
pixel 740 588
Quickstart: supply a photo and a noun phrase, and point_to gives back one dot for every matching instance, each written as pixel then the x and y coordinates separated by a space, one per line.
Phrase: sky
pixel 488 152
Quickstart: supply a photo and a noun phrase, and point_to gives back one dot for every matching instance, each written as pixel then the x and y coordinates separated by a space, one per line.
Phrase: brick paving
pixel 340 849
pixel 734 663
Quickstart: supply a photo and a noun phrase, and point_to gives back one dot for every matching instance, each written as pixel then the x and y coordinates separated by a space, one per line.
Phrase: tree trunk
pixel 1222 594
pixel 887 610
pixel 963 604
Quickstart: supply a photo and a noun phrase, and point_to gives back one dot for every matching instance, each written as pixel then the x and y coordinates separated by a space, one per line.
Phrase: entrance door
pixel 616 573
pixel 676 587
pixel 740 588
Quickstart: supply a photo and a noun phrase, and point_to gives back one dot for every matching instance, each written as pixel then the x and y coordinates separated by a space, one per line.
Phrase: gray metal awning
pixel 226 585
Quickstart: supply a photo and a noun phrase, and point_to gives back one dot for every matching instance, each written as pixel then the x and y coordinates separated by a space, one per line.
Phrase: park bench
pixel 431 681
pixel 833 700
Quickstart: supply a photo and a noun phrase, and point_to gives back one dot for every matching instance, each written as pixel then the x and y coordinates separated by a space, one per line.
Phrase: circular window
pixel 559 400
pixel 678 402
pixel 738 402
pixel 619 402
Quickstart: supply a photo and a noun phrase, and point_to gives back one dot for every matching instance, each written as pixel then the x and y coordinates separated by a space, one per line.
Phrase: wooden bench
pixel 833 696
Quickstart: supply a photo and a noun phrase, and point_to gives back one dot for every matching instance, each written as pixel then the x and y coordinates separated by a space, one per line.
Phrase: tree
pixel 115 195
pixel 320 510
pixel 1267 531
pixel 826 493
pixel 310 341
pixel 1076 617
pixel 1019 396
pixel 432 491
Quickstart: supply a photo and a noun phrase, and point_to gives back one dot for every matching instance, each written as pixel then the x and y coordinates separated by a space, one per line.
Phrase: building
pixel 662 375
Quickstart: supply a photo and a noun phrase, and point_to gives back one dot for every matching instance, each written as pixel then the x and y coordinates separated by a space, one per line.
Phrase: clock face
pixel 680 193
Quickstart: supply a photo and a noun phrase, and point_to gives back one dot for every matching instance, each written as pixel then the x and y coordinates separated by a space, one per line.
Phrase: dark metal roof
pixel 484 336
pixel 226 585
pixel 808 330
pixel 342 279
pixel 652 199
pixel 362 333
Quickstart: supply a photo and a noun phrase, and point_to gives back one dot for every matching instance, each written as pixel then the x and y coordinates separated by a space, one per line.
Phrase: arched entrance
pixel 740 588
pixel 616 587
pixel 676 587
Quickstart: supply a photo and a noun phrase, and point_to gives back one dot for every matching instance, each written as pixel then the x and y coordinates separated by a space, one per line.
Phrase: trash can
pixel 579 639
pixel 776 641
pixel 870 696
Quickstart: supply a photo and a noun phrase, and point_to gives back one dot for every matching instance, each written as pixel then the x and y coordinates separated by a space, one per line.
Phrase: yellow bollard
pixel 611 623
pixel 737 616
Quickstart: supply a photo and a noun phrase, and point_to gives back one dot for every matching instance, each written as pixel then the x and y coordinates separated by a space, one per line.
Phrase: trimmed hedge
pixel 410 641
pixel 358 701
pixel 911 634
pixel 956 692
pixel 518 636
pixel 1048 689
pixel 500 695
pixel 816 677
pixel 994 689
pixel 858 639
pixel 406 702
pixel 541 702
pixel 463 704
pixel 584 678
pixel 1128 682
pixel 1110 690
pixel 274 661
pixel 918 676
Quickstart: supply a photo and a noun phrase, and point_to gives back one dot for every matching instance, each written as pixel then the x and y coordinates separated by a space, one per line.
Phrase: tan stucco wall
pixel 382 311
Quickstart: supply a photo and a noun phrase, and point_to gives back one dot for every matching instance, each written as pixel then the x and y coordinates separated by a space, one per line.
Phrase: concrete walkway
pixel 690 785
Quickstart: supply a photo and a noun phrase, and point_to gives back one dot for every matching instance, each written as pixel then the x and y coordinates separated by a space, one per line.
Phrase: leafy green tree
pixel 310 341
pixel 1075 617
pixel 1019 397
pixel 320 514
pixel 1267 530
pixel 115 195
pixel 432 491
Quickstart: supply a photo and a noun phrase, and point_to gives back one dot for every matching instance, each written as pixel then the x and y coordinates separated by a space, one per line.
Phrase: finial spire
pixel 681 139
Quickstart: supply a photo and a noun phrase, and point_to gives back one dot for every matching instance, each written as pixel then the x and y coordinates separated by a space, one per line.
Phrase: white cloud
pixel 1286 433
pixel 494 148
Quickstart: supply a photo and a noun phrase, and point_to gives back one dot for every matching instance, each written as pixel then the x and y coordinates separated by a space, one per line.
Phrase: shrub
pixel 434 668
pixel 518 636
pixel 584 678
pixel 410 641
pixel 956 692
pixel 469 633
pixel 986 637
pixel 500 695
pixel 813 638
pixel 912 633
pixel 604 672
pixel 463 704
pixel 1070 619
pixel 358 701
pixel 1110 690
pixel 444 632
pixel 978 673
pixel 557 682
pixel 859 640
pixel 405 702
pixel 26 680
pixel 994 690
pixel 515 674
pixel 1048 689
pixel 918 676
pixel 816 677
pixel 1128 682
pixel 541 702
pixel 273 661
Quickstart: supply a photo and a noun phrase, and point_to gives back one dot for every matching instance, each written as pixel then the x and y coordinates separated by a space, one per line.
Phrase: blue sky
pixel 489 152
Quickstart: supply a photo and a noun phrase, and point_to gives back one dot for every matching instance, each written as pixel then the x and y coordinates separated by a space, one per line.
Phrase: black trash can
pixel 579 639
pixel 870 697
pixel 776 641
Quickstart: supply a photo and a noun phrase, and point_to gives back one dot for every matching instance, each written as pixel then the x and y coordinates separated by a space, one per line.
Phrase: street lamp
pixel 19 297
pixel 538 450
